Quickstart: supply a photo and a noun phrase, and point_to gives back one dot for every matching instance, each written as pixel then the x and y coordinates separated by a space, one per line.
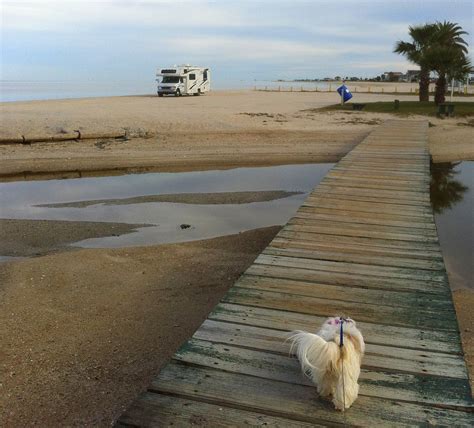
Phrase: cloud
pixel 384 65
pixel 51 15
pixel 271 38
pixel 242 48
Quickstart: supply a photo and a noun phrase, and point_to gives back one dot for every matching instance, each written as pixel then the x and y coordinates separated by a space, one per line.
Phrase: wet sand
pixel 84 332
pixel 185 198
pixel 464 302
pixel 27 238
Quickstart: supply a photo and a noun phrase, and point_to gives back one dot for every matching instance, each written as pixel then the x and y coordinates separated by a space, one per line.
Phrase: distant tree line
pixel 440 48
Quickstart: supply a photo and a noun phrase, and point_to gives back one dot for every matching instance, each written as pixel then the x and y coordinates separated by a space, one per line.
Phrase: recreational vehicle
pixel 183 80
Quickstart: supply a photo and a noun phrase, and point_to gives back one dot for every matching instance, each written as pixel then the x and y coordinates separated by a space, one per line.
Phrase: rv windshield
pixel 170 79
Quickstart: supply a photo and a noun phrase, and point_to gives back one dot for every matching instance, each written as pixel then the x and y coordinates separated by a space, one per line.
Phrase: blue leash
pixel 341 344
pixel 341 333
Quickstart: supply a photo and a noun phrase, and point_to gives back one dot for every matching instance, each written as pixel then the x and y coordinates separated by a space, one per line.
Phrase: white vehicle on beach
pixel 183 80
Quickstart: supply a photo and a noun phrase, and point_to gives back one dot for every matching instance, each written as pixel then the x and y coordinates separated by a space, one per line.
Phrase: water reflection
pixel 445 189
pixel 452 197
pixel 32 200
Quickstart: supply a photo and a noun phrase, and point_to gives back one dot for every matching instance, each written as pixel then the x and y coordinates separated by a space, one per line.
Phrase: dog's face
pixel 331 328
pixel 336 321
pixel 333 325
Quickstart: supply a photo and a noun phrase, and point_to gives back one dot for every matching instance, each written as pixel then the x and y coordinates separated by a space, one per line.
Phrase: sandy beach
pixel 85 330
pixel 222 129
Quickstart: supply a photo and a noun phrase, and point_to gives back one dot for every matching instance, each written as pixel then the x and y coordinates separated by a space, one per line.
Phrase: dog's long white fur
pixel 333 369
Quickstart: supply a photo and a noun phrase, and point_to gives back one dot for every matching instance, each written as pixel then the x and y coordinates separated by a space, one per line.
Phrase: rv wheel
pixel 177 93
pixel 197 93
pixel 160 95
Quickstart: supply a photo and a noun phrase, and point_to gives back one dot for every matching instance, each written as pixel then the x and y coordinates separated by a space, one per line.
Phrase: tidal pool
pixel 103 201
pixel 452 199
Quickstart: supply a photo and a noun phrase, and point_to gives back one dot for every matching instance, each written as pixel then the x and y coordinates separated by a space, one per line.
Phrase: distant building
pixel 392 76
pixel 470 77
pixel 397 76
pixel 411 76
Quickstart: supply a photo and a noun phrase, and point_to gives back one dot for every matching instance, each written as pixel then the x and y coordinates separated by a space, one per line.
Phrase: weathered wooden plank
pixel 360 188
pixel 358 166
pixel 278 365
pixel 306 219
pixel 379 204
pixel 391 246
pixel 380 166
pixel 387 174
pixel 328 201
pixel 281 246
pixel 380 177
pixel 383 165
pixel 414 300
pixel 360 155
pixel 387 219
pixel 292 401
pixel 357 268
pixel 365 152
pixel 349 279
pixel 418 153
pixel 363 184
pixel 386 315
pixel 422 207
pixel 331 228
pixel 344 188
pixel 152 409
pixel 366 196
pixel 408 337
pixel 376 184
pixel 357 229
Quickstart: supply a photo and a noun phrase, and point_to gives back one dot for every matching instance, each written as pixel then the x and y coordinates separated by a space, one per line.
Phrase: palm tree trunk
pixel 440 90
pixel 424 94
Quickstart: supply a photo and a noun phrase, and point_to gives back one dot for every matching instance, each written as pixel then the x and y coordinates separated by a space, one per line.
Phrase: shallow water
pixel 452 198
pixel 19 200
pixel 452 195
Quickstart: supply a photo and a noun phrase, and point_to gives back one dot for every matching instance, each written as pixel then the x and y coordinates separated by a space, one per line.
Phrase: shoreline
pixel 225 129
pixel 357 87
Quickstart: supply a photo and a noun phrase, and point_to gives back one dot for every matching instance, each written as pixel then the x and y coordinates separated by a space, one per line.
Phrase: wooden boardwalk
pixel 363 244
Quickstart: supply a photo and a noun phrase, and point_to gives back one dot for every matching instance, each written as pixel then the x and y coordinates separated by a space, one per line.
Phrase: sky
pixel 240 40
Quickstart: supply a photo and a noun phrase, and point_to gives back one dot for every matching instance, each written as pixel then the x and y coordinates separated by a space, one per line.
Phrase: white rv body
pixel 183 80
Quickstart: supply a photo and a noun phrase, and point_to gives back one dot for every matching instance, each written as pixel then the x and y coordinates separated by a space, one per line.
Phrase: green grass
pixel 462 109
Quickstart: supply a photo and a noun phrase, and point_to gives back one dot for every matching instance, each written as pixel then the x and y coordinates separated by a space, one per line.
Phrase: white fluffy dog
pixel 333 368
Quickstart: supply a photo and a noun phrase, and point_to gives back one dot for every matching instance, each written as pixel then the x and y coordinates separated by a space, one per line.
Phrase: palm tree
pixel 448 63
pixel 415 51
pixel 445 190
pixel 447 56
